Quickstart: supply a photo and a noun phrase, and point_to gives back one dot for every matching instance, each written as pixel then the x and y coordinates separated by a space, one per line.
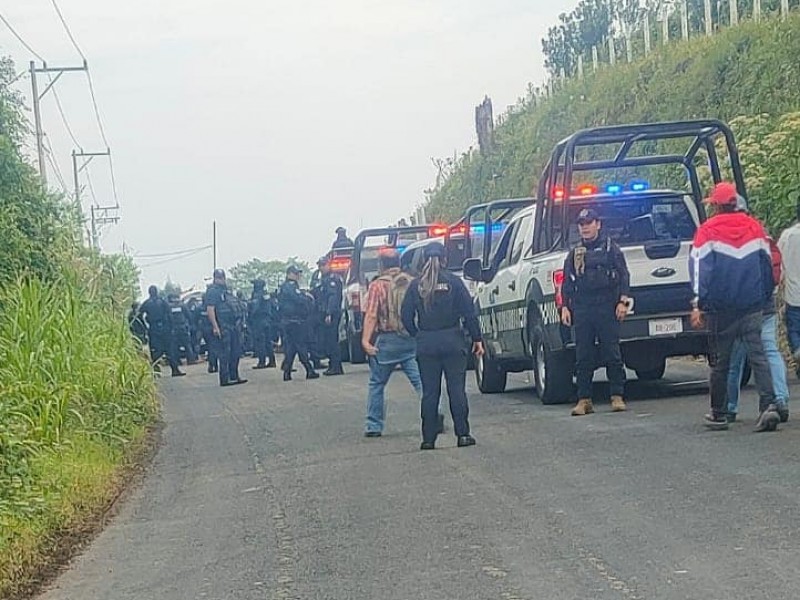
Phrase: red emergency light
pixel 438 230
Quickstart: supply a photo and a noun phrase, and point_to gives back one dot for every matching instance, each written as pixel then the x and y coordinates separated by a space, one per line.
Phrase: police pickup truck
pixel 519 282
pixel 364 268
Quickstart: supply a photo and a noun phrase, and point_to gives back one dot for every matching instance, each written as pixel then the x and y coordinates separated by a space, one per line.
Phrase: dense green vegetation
pixel 748 75
pixel 75 394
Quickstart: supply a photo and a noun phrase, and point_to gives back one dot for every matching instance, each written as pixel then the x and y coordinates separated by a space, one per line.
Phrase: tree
pixel 241 276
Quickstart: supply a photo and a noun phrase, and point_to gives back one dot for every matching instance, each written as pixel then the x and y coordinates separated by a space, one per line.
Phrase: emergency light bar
pixel 613 189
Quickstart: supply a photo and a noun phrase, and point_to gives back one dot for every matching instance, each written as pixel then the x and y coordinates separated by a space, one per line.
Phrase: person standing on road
pixel 595 291
pixel 208 335
pixel 769 338
pixel 136 326
pixel 222 313
pixel 789 244
pixel 180 334
pixel 434 309
pixel 330 304
pixel 386 342
pixel 295 308
pixel 258 324
pixel 731 273
pixel 156 313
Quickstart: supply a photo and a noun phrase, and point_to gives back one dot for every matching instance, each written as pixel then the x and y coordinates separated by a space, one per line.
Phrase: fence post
pixel 709 22
pixel 595 57
pixel 612 51
pixel 665 25
pixel 734 13
pixel 756 10
pixel 685 19
pixel 628 48
pixel 580 65
pixel 784 8
pixel 646 33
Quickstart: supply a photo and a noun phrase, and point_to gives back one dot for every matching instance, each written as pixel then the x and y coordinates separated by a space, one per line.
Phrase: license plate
pixel 666 326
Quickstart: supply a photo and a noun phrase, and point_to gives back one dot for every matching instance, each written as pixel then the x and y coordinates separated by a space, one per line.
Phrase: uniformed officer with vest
pixel 156 313
pixel 208 335
pixel 295 309
pixel 330 309
pixel 224 313
pixel 258 323
pixel 595 291
pixel 434 310
pixel 180 323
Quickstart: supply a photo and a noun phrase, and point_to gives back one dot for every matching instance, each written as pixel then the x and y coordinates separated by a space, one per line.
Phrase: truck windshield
pixel 641 219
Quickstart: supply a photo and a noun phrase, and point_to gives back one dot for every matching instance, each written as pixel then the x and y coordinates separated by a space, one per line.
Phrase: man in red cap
pixel 731 271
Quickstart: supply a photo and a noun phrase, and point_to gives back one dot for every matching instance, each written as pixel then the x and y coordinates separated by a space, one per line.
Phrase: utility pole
pixel 37 99
pixel 214 243
pixel 99 215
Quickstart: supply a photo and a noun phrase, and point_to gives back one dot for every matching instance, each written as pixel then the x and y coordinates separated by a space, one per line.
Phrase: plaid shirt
pixel 378 303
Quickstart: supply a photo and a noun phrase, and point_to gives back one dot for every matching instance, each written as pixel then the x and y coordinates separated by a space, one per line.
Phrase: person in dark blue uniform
pixel 258 319
pixel 595 291
pixel 223 310
pixel 330 309
pixel 156 313
pixel 295 308
pixel 434 310
pixel 208 335
pixel 342 241
pixel 316 322
pixel 137 327
pixel 180 337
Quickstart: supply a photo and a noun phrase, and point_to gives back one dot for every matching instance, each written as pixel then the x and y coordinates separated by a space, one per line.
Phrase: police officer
pixel 330 309
pixel 295 309
pixel 595 291
pixel 316 320
pixel 342 241
pixel 179 324
pixel 258 320
pixel 433 311
pixel 223 313
pixel 208 335
pixel 194 325
pixel 156 313
pixel 136 325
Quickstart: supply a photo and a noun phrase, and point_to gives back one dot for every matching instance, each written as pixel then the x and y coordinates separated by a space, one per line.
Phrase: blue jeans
pixel 777 366
pixel 793 327
pixel 393 350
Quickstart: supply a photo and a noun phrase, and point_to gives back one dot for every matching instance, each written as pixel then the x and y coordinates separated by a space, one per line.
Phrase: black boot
pixel 260 366
pixel 287 375
pixel 178 373
pixel 311 374
pixel 272 364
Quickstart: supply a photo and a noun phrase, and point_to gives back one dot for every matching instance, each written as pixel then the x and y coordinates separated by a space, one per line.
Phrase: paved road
pixel 269 491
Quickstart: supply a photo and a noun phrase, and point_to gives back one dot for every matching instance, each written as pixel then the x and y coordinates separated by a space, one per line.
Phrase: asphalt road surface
pixel 269 491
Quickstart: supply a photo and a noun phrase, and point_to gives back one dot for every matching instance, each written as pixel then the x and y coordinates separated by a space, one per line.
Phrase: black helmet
pixel 434 249
pixel 259 283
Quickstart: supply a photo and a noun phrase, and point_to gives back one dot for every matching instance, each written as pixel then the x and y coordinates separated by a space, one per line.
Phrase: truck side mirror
pixel 473 269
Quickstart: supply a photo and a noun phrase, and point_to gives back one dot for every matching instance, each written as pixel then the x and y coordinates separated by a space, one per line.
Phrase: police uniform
pixel 441 348
pixel 342 241
pixel 204 325
pixel 258 321
pixel 156 313
pixel 180 323
pixel 316 320
pixel 295 310
pixel 330 309
pixel 228 345
pixel 137 327
pixel 596 281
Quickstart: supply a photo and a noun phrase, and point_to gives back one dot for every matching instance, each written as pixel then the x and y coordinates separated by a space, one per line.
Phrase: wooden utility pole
pixel 484 126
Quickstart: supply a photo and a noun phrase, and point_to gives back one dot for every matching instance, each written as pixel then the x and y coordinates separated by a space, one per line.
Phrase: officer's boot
pixel 583 407
pixel 618 404
pixel 272 364
pixel 287 375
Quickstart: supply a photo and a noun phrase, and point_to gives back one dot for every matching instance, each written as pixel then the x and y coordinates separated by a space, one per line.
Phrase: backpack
pixel 777 261
pixel 397 287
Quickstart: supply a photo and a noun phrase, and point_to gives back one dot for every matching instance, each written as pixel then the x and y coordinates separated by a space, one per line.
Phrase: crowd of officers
pixel 227 325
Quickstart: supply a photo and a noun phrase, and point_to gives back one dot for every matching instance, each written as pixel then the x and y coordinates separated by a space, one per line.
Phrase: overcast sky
pixel 279 120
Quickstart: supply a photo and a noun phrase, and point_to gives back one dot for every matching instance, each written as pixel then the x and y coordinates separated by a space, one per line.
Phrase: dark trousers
pixel 295 344
pixel 724 329
pixel 228 349
pixel 160 344
pixel 260 343
pixel 597 323
pixel 181 338
pixel 793 327
pixel 211 347
pixel 330 345
pixel 454 367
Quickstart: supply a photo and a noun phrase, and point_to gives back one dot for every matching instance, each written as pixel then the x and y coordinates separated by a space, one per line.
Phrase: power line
pixel 54 164
pixel 63 114
pixel 96 109
pixel 165 254
pixel 174 258
pixel 91 187
pixel 20 38
pixel 67 29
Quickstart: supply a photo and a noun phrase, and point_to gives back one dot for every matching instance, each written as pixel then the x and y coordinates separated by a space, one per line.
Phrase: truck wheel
pixel 553 374
pixel 356 352
pixel 490 376
pixel 652 374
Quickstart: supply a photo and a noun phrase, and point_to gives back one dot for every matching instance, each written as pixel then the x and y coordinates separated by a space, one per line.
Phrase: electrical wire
pixel 63 114
pixel 173 259
pixel 48 147
pixel 91 187
pixel 176 253
pixel 20 38
pixel 67 29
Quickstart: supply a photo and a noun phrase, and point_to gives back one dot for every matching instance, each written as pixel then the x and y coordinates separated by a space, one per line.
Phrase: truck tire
pixel 552 373
pixel 653 374
pixel 490 375
pixel 356 352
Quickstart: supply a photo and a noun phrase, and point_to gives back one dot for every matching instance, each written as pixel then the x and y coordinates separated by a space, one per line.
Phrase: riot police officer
pixel 330 310
pixel 316 321
pixel 223 313
pixel 595 291
pixel 156 313
pixel 137 327
pixel 258 320
pixel 179 321
pixel 341 241
pixel 434 309
pixel 208 335
pixel 295 308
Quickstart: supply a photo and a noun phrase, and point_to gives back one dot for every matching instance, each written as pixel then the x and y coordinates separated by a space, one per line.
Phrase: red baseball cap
pixel 723 193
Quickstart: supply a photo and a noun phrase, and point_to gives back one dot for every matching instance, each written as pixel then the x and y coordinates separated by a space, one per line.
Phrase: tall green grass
pixel 75 393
